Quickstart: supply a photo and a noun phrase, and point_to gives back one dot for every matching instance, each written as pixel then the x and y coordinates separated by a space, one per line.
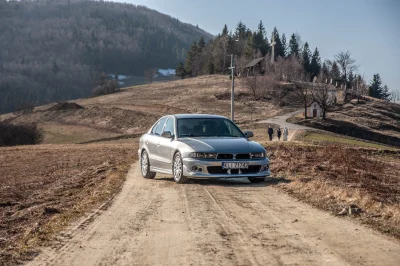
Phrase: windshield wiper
pixel 186 135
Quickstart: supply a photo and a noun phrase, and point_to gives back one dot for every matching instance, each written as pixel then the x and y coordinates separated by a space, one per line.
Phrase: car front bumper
pixel 257 168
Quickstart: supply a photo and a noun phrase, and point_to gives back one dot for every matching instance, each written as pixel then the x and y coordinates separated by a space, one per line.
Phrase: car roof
pixel 179 116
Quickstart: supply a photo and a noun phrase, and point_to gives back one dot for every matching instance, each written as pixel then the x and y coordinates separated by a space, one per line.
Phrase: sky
pixel 369 29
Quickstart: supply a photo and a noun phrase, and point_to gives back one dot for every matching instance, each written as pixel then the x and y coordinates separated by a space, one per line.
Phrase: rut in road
pixel 158 222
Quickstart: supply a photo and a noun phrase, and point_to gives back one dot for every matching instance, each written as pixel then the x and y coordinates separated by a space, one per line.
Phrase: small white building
pixel 314 110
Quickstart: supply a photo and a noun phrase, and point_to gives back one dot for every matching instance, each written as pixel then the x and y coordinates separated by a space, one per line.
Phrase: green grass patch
pixel 334 139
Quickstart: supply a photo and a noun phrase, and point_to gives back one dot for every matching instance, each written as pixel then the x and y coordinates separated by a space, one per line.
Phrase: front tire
pixel 177 169
pixel 145 166
pixel 256 180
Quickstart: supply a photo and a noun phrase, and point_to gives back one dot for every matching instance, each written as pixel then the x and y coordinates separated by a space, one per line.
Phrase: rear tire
pixel 177 169
pixel 256 180
pixel 145 166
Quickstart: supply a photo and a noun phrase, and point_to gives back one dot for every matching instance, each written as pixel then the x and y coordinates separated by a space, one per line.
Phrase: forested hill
pixel 54 50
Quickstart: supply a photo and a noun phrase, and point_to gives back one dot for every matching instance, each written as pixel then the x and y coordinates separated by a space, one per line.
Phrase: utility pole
pixel 232 91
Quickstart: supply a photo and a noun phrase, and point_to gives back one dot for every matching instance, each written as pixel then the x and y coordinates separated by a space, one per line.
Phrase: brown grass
pixel 43 189
pixel 333 177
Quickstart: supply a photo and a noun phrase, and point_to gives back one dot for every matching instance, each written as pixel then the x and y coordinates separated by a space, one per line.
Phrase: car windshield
pixel 208 127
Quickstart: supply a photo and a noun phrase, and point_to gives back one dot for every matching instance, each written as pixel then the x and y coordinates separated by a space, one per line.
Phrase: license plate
pixel 235 165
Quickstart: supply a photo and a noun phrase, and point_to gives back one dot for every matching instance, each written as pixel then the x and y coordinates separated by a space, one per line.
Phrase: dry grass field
pixel 335 177
pixel 45 187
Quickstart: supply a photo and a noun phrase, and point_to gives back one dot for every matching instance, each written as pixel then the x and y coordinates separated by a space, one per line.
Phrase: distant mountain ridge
pixel 54 50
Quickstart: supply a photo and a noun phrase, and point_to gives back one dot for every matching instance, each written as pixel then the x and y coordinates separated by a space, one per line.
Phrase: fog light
pixel 266 168
pixel 194 168
pixel 200 169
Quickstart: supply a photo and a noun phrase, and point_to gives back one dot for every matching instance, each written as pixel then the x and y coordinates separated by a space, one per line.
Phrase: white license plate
pixel 235 165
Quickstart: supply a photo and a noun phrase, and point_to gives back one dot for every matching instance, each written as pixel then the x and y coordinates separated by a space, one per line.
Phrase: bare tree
pixel 224 42
pixel 259 85
pixel 150 73
pixel 293 69
pixel 324 97
pixel 251 85
pixel 346 63
pixel 395 96
pixel 240 64
pixel 304 91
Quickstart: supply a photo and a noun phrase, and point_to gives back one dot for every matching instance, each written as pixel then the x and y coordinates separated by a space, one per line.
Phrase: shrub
pixel 109 86
pixel 11 135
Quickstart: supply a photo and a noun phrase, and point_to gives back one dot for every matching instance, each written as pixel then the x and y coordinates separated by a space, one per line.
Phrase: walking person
pixel 279 133
pixel 285 134
pixel 270 132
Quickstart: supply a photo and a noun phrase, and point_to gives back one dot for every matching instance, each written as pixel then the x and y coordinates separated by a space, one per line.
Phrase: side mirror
pixel 166 134
pixel 249 134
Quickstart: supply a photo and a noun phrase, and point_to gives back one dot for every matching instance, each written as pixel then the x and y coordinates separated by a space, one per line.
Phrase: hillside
pixel 54 50
pixel 369 119
pixel 133 110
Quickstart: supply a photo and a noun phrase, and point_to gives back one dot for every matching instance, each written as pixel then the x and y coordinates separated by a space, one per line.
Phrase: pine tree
pixel 201 44
pixel 315 63
pixel 375 87
pixel 325 77
pixel 240 32
pixel 249 49
pixel 225 31
pixel 385 95
pixel 259 40
pixel 306 58
pixel 191 59
pixel 180 71
pixel 284 45
pixel 335 73
pixel 294 46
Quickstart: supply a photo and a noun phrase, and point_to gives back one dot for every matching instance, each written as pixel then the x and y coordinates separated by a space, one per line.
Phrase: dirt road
pixel 158 222
pixel 281 121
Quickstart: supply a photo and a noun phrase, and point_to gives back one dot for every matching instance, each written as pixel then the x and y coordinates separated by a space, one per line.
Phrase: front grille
pixel 214 170
pixel 229 156
pixel 243 156
pixel 223 156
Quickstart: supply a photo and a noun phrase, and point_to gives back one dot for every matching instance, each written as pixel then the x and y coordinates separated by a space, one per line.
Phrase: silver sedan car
pixel 196 146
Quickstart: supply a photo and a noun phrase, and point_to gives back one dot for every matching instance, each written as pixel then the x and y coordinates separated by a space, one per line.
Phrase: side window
pixel 153 130
pixel 169 126
pixel 160 126
pixel 234 131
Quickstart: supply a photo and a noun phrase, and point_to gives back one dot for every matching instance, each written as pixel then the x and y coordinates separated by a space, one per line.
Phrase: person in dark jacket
pixel 270 132
pixel 279 133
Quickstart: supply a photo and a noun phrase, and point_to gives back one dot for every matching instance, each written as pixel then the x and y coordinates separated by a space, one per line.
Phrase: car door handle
pixel 158 144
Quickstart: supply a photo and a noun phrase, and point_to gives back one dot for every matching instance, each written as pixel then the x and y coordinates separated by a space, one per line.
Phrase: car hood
pixel 223 145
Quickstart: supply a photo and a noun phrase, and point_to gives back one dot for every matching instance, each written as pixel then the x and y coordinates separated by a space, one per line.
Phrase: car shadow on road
pixel 237 182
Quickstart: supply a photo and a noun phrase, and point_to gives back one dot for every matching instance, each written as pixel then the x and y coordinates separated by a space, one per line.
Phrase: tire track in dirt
pixel 158 222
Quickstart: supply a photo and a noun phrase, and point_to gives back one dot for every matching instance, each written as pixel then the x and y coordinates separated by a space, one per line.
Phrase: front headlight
pixel 203 155
pixel 258 155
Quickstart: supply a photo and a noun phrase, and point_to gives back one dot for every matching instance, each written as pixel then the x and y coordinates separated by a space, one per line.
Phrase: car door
pixel 153 142
pixel 166 145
